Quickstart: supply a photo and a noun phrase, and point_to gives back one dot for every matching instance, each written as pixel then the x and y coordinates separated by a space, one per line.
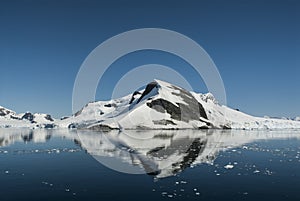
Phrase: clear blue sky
pixel 255 45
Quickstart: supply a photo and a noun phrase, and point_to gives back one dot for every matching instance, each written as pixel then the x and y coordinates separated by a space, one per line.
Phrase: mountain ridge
pixel 159 105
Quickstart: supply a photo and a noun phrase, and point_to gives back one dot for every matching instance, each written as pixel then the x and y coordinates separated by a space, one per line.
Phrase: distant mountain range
pixel 9 118
pixel 159 105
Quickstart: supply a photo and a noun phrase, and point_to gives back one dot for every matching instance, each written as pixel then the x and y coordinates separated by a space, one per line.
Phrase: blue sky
pixel 254 44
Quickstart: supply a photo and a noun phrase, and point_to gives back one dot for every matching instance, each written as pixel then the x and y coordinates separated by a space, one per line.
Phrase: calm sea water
pixel 149 165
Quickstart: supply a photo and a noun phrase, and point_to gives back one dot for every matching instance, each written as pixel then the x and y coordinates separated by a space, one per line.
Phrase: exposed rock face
pixel 28 116
pixel 14 117
pixel 65 117
pixel 133 96
pixel 4 112
pixel 101 127
pixel 163 122
pixel 110 105
pixel 192 103
pixel 72 125
pixel 191 109
pixel 149 87
pixel 48 117
pixel 78 113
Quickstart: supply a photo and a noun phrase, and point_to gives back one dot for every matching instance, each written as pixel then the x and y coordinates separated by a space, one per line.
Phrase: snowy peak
pixel 164 97
pixel 160 105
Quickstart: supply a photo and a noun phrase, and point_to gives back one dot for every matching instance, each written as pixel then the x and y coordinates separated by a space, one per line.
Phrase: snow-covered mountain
pixel 161 105
pixel 9 118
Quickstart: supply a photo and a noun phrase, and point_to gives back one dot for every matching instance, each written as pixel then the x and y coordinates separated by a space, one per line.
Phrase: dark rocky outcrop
pixel 183 112
pixel 14 117
pixel 226 127
pixel 73 125
pixel 3 112
pixel 149 87
pixel 78 113
pixel 132 97
pixel 62 118
pixel 110 105
pixel 190 109
pixel 28 116
pixel 164 122
pixel 48 117
pixel 162 106
pixel 190 100
pixel 102 127
pixel 156 149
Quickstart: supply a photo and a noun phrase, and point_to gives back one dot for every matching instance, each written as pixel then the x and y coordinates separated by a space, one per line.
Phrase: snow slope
pixel 239 120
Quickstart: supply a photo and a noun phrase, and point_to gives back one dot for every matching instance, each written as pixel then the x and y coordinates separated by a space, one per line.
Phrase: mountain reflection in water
pixel 156 152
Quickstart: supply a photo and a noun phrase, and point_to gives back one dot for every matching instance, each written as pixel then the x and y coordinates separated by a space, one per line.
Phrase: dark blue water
pixel 56 165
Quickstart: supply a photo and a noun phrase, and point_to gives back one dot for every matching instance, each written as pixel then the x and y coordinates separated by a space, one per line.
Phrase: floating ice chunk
pixel 197 193
pixel 256 171
pixel 268 172
pixel 6 172
pixel 229 166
